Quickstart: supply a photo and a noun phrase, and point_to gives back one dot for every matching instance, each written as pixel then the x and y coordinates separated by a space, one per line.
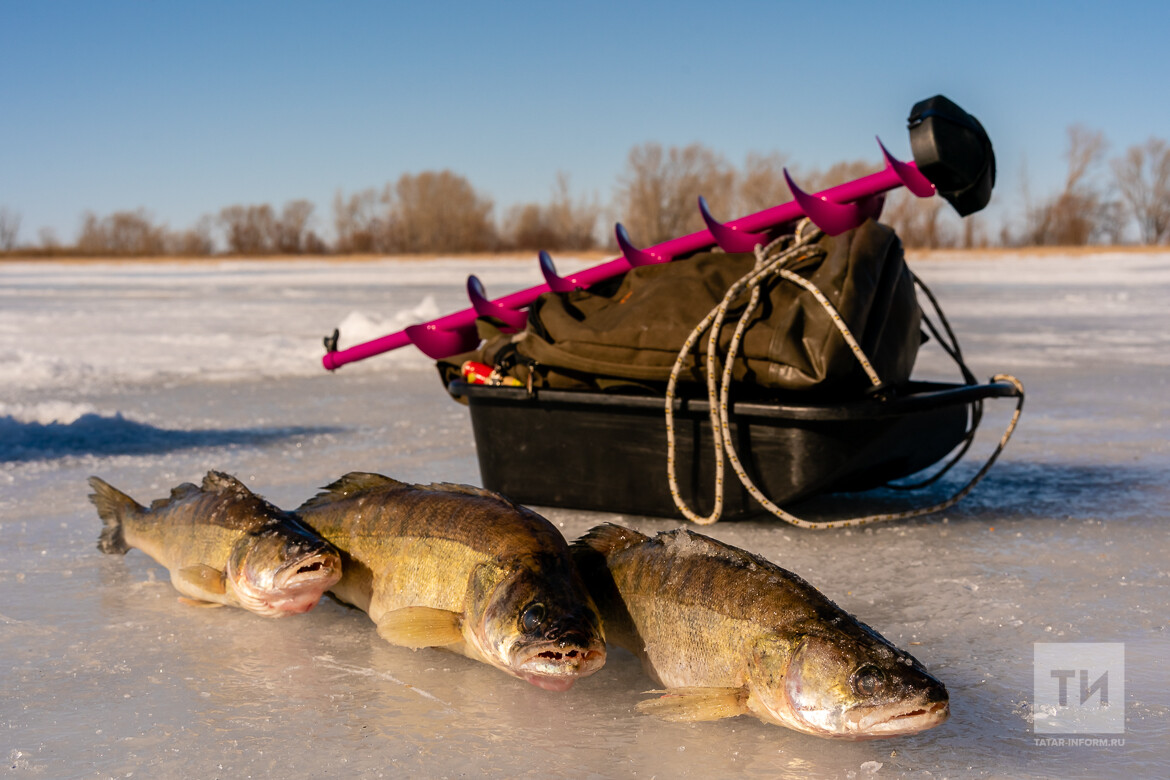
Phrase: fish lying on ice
pixel 223 545
pixel 464 569
pixel 726 633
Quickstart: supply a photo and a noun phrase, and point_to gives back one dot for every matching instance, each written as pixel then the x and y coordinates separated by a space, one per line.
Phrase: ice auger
pixel 952 157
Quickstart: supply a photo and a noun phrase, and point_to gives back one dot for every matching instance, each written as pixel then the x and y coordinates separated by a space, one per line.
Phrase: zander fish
pixel 727 633
pixel 464 569
pixel 222 544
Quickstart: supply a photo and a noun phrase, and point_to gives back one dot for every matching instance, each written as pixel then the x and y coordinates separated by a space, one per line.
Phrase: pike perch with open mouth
pixel 727 633
pixel 464 569
pixel 223 545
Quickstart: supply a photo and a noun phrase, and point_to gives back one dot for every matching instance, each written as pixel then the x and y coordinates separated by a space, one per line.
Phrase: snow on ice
pixel 149 374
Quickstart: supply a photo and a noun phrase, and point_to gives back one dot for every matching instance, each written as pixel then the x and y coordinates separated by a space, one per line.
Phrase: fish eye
pixel 868 680
pixel 532 617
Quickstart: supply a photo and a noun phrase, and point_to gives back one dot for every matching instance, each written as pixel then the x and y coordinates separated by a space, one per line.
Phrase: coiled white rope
pixel 788 251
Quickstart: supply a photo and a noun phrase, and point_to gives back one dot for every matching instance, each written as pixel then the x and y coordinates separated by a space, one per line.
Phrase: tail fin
pixel 112 505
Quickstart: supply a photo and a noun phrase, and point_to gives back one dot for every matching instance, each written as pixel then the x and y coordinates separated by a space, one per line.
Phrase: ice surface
pixel 150 374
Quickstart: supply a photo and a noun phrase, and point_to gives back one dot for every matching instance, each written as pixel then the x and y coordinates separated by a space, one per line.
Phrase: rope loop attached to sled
pixel 775 260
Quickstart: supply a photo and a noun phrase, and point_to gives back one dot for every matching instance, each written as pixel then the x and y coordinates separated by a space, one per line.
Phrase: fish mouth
pixel 888 721
pixel 555 666
pixel 310 572
pixel 300 585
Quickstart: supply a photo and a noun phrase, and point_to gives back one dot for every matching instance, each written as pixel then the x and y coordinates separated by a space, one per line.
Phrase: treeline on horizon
pixel 439 212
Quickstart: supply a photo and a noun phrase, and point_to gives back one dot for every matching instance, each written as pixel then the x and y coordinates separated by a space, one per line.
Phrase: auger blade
pixel 728 237
pixel 514 320
pixel 634 256
pixel 557 284
pixel 911 178
pixel 832 217
pixel 437 344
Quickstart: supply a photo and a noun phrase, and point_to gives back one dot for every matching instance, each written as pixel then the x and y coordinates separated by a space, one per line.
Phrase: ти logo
pixel 1101 685
pixel 1078 688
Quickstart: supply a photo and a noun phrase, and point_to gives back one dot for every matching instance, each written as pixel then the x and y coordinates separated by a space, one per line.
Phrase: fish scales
pixel 417 537
pixel 671 583
pixel 222 545
pixel 703 643
pixel 400 510
pixel 688 568
pixel 464 569
pixel 727 632
pixel 198 526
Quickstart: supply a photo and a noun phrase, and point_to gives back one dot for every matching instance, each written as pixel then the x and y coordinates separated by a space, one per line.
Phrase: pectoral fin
pixel 416 627
pixel 198 603
pixel 203 578
pixel 693 704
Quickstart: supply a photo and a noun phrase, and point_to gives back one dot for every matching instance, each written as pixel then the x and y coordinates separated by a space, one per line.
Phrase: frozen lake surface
pixel 149 374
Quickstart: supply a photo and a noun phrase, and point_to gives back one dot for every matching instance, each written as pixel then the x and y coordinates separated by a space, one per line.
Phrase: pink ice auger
pixel 952 156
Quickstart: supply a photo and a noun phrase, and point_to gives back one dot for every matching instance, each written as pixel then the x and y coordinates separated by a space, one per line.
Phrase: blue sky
pixel 184 108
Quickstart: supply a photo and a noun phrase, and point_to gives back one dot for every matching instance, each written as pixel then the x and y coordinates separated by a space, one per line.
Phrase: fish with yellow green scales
pixel 223 545
pixel 463 569
pixel 727 633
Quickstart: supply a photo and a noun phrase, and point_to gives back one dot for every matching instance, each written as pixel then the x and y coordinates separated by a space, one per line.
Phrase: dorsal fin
pixel 349 484
pixel 219 482
pixel 609 538
pixel 178 493
pixel 466 490
pixel 683 542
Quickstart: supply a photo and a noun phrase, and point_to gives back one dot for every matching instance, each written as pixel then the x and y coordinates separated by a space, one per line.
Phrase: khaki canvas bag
pixel 629 331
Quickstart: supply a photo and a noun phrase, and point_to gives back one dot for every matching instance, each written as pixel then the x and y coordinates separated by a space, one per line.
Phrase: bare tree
pixel 250 230
pixel 1143 177
pixel 315 245
pixel 9 229
pixel 134 233
pixel 193 242
pixel 1112 220
pixel 565 223
pixel 525 226
pixel 761 184
pixel 123 233
pixel 838 173
pixel 293 226
pixel 358 221
pixel 1073 216
pixel 439 212
pixel 574 221
pixel 918 221
pixel 974 232
pixel 658 193
pixel 93 239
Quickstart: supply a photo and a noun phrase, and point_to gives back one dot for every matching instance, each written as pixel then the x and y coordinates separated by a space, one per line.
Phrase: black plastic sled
pixel 607 452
